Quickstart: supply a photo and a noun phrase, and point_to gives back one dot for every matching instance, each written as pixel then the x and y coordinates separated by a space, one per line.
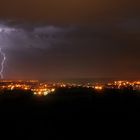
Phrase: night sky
pixel 63 39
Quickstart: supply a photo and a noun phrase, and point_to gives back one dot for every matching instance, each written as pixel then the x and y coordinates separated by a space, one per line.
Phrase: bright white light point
pixel 46 93
pixel 53 90
pixel 35 93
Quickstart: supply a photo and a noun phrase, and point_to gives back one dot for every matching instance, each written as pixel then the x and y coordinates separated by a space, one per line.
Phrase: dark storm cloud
pixel 42 37
pixel 71 51
pixel 70 38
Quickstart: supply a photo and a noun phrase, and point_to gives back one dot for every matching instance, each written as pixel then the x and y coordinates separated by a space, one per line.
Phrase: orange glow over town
pixel 44 88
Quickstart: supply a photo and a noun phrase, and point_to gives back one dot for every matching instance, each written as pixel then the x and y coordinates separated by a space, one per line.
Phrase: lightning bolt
pixel 2 63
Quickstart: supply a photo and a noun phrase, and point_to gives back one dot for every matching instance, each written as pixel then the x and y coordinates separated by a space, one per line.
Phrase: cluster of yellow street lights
pixel 43 92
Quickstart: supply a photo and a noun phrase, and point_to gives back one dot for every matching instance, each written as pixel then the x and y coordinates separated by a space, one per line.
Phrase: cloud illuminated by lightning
pixel 2 63
pixel 25 38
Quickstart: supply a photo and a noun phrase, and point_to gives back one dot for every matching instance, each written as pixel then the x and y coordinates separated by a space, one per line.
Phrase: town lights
pixel 98 87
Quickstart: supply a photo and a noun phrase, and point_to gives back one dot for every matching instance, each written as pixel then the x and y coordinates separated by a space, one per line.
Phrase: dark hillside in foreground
pixel 79 111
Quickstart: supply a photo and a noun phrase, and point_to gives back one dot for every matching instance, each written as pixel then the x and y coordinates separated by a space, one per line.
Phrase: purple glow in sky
pixel 59 52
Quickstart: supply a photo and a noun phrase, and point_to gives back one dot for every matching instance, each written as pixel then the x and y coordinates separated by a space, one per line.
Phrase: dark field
pixel 69 113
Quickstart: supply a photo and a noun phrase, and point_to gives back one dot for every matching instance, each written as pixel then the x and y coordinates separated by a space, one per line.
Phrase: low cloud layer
pixel 100 50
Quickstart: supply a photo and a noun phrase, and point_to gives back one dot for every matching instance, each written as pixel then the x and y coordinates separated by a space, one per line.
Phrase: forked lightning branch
pixel 3 57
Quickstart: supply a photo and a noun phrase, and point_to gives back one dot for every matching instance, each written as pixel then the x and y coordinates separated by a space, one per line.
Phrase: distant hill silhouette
pixel 69 111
